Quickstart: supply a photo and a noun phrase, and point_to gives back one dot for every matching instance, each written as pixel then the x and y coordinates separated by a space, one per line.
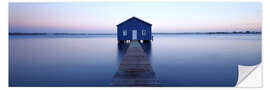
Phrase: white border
pixel 135 0
pixel 4 44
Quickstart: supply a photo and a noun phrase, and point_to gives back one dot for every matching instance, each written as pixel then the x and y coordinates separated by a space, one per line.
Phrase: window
pixel 124 32
pixel 144 32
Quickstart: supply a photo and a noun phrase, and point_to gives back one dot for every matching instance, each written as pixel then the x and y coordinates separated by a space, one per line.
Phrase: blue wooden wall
pixel 134 24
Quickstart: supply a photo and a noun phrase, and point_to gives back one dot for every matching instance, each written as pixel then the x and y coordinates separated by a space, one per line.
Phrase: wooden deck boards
pixel 135 69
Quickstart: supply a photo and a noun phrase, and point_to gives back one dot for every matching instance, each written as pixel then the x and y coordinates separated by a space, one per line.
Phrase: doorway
pixel 134 34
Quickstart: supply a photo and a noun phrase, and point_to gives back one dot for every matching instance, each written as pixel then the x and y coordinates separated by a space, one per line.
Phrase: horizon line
pixel 234 32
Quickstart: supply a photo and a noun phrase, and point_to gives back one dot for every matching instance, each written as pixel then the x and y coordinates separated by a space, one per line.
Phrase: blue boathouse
pixel 134 29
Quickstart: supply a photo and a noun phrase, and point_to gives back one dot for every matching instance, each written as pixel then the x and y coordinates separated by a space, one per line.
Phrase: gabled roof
pixel 136 19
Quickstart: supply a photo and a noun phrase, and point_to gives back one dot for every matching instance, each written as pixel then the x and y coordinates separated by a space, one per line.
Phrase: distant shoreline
pixel 247 32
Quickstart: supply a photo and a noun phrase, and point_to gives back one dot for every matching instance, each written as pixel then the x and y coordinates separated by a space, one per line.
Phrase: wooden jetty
pixel 135 69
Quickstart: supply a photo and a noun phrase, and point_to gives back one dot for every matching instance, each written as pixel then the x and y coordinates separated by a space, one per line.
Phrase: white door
pixel 134 34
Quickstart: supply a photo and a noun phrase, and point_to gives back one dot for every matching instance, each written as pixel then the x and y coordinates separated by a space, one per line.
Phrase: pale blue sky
pixel 101 17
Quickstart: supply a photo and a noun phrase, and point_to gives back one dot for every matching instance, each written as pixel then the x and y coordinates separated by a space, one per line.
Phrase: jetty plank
pixel 135 69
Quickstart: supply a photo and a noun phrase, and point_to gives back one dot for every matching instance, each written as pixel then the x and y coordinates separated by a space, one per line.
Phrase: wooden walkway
pixel 135 69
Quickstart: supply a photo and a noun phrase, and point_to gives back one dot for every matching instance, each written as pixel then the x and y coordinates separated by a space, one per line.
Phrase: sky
pixel 102 17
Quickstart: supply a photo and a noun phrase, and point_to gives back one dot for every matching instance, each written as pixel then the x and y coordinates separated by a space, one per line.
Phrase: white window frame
pixel 124 32
pixel 143 32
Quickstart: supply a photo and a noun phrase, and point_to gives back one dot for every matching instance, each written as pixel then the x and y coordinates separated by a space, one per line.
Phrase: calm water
pixel 92 60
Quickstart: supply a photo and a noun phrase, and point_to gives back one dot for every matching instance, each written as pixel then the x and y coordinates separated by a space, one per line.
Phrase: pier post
pixel 146 41
pixel 121 41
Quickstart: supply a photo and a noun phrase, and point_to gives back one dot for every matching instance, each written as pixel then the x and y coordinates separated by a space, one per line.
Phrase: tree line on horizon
pixel 234 32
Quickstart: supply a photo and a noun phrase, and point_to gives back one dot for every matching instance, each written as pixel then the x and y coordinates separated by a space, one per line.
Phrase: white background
pixel 4 47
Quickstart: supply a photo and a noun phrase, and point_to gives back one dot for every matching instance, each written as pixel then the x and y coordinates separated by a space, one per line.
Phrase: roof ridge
pixel 134 18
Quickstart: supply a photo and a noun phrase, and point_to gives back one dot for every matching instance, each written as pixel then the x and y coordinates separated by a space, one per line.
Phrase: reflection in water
pixel 122 48
pixel 62 61
pixel 147 49
pixel 201 61
pixel 178 60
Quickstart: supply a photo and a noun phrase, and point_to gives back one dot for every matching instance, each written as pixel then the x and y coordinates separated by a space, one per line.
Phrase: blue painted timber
pixel 125 29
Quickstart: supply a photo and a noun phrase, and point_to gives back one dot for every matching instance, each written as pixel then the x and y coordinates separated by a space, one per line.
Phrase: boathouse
pixel 134 29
